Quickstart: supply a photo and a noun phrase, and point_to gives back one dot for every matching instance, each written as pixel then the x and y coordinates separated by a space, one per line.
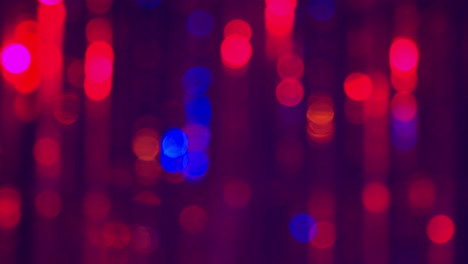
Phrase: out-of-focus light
pixel 16 58
pixel 281 7
pixel 10 208
pixel 358 86
pixel 193 219
pixel 46 151
pixel 174 143
pixel 303 228
pixel 99 29
pixel 116 235
pixel 197 165
pixel 320 115
pixel 147 198
pixel 200 22
pixel 237 193
pixel 238 27
pixel 290 66
pixel 376 197
pixel 67 109
pixel 421 194
pixel 440 229
pixel 289 92
pixel 279 24
pixel 198 136
pixel 144 239
pixel 50 2
pixel 99 7
pixel 197 79
pixel 174 165
pixel 322 10
pixel 148 3
pixel 404 134
pixel 404 82
pixel 97 205
pixel 48 204
pixel 326 235
pixel 146 144
pixel 198 110
pixel 404 55
pixel 235 51
pixel 404 107
pixel 98 69
pixel 321 111
pixel 147 172
pixel 26 108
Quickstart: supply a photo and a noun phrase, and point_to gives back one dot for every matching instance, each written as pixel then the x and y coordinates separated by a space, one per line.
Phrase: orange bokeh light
pixel 146 144
pixel 358 86
pixel 440 229
pixel 376 197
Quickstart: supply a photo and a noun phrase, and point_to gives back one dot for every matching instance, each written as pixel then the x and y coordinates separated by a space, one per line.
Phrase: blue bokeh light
pixel 148 3
pixel 198 110
pixel 322 10
pixel 404 134
pixel 200 22
pixel 303 228
pixel 197 165
pixel 174 165
pixel 197 79
pixel 174 143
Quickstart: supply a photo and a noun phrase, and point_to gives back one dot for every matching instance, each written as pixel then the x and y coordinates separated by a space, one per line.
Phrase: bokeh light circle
pixel 200 22
pixel 235 51
pixel 303 228
pixel 16 58
pixel 193 219
pixel 404 55
pixel 197 165
pixel 326 235
pixel 50 2
pixel 376 197
pixel 197 79
pixel 174 143
pixel 358 86
pixel 238 27
pixel 440 229
pixel 289 92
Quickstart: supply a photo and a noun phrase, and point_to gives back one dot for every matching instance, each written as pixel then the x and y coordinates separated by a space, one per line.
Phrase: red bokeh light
pixel 358 86
pixel 236 51
pixel 404 107
pixel 116 235
pixel 47 151
pixel 98 6
pixel 440 229
pixel 404 55
pixel 326 235
pixel 10 208
pixel 48 204
pixel 290 66
pixel 289 92
pixel 193 219
pixel 97 205
pixel 99 29
pixel 237 194
pixel 16 58
pixel 421 194
pixel 376 197
pixel 281 7
pixel 50 2
pixel 238 27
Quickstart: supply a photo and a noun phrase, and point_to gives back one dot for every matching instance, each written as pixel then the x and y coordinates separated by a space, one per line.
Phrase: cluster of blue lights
pixel 174 148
